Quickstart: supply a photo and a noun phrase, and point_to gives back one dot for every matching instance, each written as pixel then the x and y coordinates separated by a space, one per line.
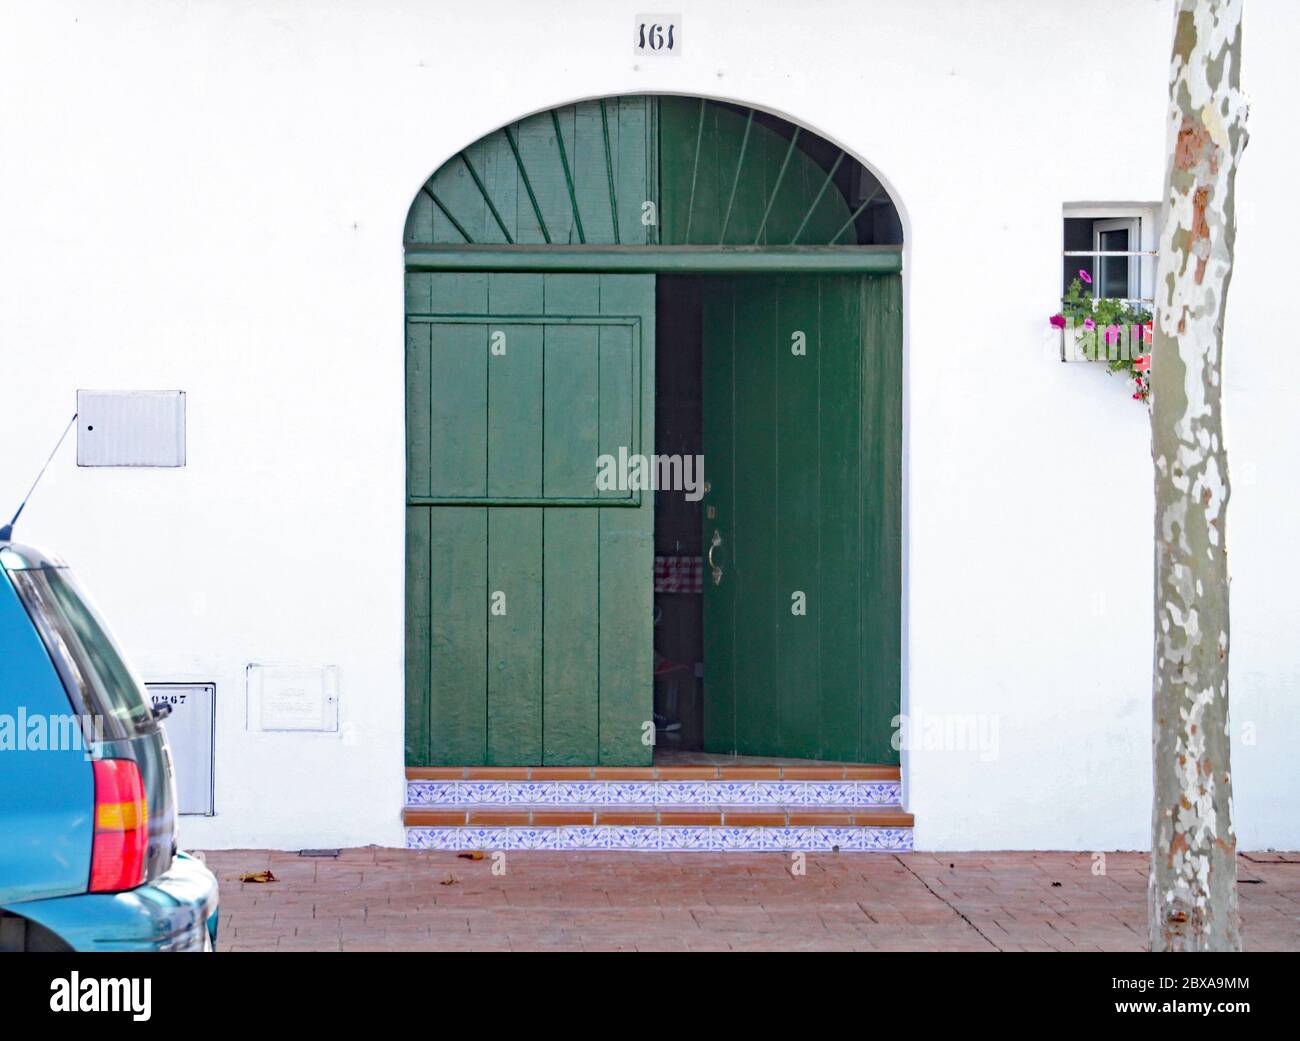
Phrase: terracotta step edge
pixel 749 816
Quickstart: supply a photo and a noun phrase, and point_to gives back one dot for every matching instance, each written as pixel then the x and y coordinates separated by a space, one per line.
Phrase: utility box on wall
pixel 293 697
pixel 130 428
pixel 189 730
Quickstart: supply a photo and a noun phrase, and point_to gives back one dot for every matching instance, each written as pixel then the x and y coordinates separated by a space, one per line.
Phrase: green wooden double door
pixel 802 424
pixel 530 589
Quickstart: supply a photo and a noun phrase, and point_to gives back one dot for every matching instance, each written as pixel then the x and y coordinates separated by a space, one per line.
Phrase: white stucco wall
pixel 211 196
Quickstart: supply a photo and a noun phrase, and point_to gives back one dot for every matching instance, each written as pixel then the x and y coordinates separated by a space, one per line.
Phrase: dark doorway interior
pixel 789 387
pixel 679 615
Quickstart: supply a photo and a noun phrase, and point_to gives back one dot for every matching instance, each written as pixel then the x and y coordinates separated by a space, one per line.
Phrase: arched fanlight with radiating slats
pixel 643 171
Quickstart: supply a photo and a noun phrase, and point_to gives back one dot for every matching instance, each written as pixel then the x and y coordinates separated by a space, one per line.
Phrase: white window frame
pixel 1133 225
pixel 1145 215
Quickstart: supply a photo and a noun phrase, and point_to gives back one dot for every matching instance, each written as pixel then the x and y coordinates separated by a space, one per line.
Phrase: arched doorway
pixel 598 295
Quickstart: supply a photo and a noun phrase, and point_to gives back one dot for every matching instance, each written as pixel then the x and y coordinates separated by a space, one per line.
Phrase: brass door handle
pixel 714 544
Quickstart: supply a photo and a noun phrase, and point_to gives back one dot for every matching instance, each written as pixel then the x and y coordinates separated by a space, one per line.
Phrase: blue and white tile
pixel 661 838
pixel 653 793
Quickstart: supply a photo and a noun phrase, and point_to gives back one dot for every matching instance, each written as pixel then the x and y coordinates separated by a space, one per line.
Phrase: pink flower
pixel 1142 363
pixel 1087 278
pixel 1058 321
pixel 1112 334
pixel 1148 333
pixel 1089 324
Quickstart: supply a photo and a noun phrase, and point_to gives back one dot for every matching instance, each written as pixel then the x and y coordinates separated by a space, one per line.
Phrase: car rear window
pixel 93 670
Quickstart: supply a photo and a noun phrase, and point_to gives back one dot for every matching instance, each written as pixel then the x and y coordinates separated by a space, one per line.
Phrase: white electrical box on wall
pixel 130 428
pixel 293 697
pixel 189 728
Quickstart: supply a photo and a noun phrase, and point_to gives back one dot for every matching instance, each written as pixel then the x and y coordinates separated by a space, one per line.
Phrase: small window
pixel 1111 250
pixel 1113 241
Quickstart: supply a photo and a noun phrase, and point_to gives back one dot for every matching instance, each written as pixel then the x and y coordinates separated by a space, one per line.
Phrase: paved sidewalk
pixel 407 900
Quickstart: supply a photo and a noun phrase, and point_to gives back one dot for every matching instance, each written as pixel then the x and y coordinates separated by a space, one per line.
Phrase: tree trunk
pixel 1193 888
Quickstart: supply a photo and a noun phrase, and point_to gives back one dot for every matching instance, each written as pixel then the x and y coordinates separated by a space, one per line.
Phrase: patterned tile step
pixel 785 772
pixel 770 816
pixel 662 839
pixel 653 793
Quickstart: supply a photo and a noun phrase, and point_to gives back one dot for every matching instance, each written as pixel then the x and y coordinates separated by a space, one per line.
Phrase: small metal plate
pixel 293 697
pixel 130 428
pixel 189 731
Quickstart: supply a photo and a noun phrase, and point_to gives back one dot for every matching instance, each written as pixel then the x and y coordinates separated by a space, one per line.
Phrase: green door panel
pixel 803 454
pixel 571 700
pixel 626 534
pixel 515 696
pixel 796 507
pixel 522 575
pixel 458 635
pixel 515 410
pixel 882 540
pixel 419 630
pixel 651 171
pixel 576 174
pixel 728 177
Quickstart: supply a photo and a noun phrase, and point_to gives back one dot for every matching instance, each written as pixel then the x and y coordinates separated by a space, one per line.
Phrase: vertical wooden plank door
pixel 529 590
pixel 802 391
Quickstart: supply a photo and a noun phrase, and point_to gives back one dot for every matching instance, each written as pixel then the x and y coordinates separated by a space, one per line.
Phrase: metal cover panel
pixel 189 731
pixel 130 428
pixel 292 697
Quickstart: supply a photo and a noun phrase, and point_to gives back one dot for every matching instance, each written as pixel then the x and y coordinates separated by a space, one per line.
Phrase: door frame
pixel 691 260
pixel 664 260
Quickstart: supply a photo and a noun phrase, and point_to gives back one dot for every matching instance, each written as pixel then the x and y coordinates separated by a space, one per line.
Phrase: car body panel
pixel 177 911
pixel 58 662
pixel 47 796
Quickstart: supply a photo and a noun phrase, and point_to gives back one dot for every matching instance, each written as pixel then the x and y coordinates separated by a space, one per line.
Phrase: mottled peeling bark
pixel 1193 891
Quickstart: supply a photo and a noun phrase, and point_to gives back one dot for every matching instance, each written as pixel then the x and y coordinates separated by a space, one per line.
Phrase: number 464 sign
pixel 659 34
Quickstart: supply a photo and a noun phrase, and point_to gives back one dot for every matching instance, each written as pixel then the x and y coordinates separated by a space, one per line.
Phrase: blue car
pixel 88 855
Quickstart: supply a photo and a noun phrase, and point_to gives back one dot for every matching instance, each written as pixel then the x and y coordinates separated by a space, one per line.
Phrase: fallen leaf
pixel 473 854
pixel 258 876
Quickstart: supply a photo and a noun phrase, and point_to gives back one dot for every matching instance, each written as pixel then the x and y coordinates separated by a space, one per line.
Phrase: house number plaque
pixel 659 35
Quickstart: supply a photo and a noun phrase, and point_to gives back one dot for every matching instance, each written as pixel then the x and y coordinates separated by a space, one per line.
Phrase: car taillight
pixel 117 859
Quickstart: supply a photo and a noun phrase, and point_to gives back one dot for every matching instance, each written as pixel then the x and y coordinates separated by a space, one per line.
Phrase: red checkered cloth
pixel 679 574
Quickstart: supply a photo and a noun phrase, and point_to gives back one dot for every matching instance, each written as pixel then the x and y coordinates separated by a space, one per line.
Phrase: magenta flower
pixel 1112 334
pixel 1089 324
pixel 1087 278
pixel 1058 321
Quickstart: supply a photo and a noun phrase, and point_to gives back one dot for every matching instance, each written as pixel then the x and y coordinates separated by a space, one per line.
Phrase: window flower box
pixel 1115 331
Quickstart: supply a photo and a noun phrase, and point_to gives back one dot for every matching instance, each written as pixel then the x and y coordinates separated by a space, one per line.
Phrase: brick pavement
pixel 394 899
